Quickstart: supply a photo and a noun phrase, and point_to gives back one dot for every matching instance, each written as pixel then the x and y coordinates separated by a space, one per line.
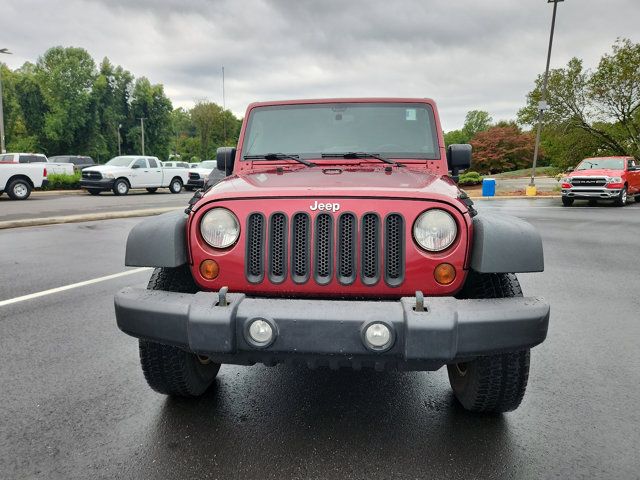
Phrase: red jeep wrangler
pixel 604 178
pixel 337 239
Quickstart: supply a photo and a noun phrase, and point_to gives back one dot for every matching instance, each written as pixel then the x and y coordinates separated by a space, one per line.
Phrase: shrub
pixel 470 178
pixel 63 181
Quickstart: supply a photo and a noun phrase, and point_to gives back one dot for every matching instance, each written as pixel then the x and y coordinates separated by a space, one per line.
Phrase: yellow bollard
pixel 532 191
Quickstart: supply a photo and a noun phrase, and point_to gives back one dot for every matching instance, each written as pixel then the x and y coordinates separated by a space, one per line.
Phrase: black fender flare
pixel 505 244
pixel 159 241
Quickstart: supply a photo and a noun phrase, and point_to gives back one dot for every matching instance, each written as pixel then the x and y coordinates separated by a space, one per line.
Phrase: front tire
pixel 175 186
pixel 492 383
pixel 19 189
pixel 120 187
pixel 622 198
pixel 567 201
pixel 170 370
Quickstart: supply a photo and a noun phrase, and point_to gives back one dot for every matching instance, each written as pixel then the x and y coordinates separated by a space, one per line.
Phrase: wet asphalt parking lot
pixel 74 403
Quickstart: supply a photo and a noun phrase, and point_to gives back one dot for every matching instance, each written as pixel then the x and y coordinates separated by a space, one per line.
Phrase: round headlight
pixel 435 230
pixel 220 228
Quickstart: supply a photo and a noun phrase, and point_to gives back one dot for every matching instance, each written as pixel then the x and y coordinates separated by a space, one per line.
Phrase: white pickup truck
pixel 132 171
pixel 18 179
pixel 52 167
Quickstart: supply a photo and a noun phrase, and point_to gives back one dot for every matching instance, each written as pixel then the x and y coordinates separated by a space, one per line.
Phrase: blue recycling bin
pixel 488 187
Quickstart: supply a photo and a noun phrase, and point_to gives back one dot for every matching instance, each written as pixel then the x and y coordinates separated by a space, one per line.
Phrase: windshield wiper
pixel 362 155
pixel 280 156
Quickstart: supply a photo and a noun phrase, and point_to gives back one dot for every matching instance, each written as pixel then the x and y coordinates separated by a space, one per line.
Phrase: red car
pixel 603 178
pixel 338 239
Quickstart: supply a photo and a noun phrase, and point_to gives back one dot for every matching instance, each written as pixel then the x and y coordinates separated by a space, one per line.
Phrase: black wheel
pixel 188 188
pixel 121 187
pixel 94 191
pixel 567 201
pixel 493 383
pixel 152 190
pixel 19 189
pixel 637 198
pixel 175 186
pixel 622 198
pixel 171 370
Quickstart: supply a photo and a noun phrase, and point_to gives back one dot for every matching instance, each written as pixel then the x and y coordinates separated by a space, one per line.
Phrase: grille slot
pixel 588 181
pixel 90 175
pixel 347 238
pixel 300 230
pixel 255 248
pixel 370 249
pixel 394 250
pixel 324 248
pixel 278 248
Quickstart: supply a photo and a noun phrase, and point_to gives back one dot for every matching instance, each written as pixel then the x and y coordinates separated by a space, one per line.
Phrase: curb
pixel 48 193
pixel 506 197
pixel 87 217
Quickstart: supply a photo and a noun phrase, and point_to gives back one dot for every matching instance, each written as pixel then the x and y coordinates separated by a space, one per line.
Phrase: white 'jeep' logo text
pixel 329 207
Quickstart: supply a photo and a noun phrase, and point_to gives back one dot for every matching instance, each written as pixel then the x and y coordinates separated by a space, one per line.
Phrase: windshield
pixel 609 163
pixel 403 130
pixel 208 164
pixel 120 161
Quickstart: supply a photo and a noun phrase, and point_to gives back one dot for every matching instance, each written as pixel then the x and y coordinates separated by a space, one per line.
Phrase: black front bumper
pixel 330 332
pixel 103 184
pixel 195 183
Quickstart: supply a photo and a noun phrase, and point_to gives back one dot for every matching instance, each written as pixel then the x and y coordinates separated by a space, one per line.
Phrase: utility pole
pixel 119 140
pixel 142 119
pixel 224 108
pixel 2 146
pixel 542 104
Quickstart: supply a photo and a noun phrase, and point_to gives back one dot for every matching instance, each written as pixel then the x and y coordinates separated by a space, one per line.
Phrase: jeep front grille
pixel 326 245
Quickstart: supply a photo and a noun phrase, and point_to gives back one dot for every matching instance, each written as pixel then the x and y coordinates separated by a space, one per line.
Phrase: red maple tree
pixel 502 148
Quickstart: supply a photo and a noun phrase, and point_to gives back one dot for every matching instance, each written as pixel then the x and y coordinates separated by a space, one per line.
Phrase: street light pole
pixel 142 119
pixel 2 146
pixel 542 105
pixel 119 140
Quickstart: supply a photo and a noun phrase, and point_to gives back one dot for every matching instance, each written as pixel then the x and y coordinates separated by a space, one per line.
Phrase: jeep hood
pixel 402 182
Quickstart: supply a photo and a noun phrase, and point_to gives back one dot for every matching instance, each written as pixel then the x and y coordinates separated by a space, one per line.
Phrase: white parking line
pixel 31 296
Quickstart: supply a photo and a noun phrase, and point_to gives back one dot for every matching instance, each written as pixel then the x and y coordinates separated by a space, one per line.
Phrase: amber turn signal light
pixel 209 269
pixel 445 273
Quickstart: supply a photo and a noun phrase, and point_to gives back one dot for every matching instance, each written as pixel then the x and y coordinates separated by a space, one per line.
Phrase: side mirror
pixel 458 158
pixel 135 166
pixel 225 158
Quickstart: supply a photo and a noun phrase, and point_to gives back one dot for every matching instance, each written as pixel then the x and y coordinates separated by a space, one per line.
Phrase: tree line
pixel 591 113
pixel 65 104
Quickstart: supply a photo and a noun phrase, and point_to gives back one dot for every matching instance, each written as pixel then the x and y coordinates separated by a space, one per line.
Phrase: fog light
pixel 445 273
pixel 378 336
pixel 209 269
pixel 260 332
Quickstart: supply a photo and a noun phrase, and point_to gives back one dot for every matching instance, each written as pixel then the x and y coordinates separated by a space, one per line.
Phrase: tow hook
pixel 222 297
pixel 419 302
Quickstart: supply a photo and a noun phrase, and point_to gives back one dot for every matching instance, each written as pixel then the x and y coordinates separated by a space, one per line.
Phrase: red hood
pixel 337 182
pixel 596 172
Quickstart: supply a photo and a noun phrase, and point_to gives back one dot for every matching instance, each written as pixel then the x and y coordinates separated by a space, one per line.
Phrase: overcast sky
pixel 466 54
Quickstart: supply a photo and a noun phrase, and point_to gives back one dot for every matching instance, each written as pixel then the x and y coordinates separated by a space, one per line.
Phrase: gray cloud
pixel 465 54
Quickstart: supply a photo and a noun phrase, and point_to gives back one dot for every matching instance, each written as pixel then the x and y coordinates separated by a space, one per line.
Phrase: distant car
pixel 18 180
pixel 52 167
pixel 602 178
pixel 79 162
pixel 198 176
pixel 132 171
pixel 175 164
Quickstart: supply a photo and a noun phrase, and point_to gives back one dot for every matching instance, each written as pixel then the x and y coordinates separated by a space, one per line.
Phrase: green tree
pixel 475 121
pixel 150 102
pixel 65 77
pixel 603 105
